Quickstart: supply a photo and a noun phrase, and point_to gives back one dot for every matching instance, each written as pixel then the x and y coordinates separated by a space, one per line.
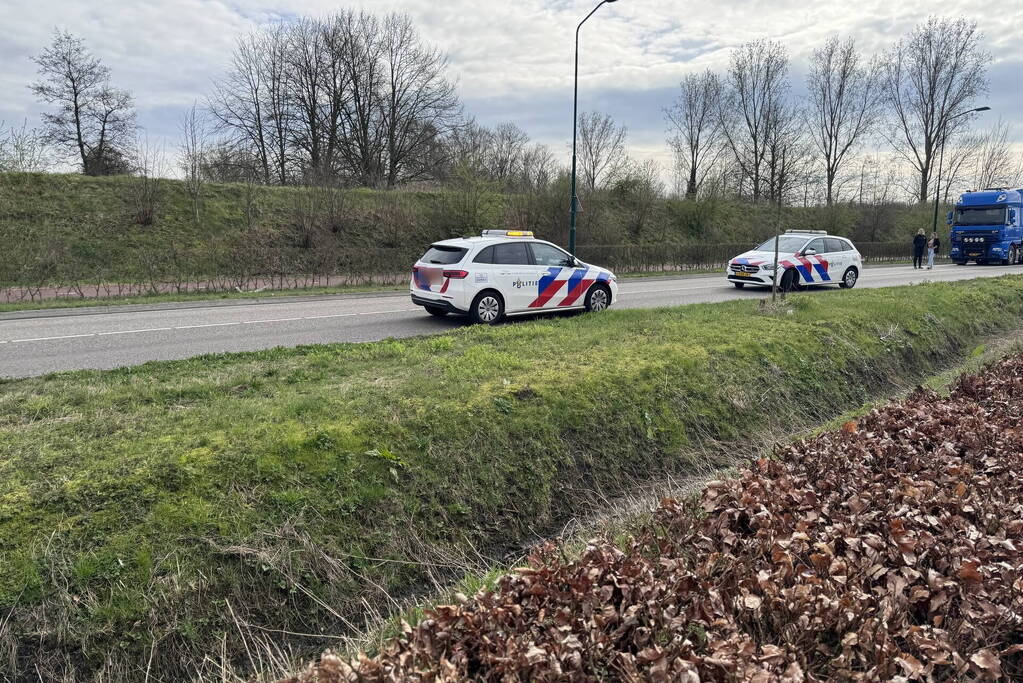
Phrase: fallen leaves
pixel 888 550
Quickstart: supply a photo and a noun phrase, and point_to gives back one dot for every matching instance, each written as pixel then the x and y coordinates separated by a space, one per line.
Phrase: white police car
pixel 507 272
pixel 805 257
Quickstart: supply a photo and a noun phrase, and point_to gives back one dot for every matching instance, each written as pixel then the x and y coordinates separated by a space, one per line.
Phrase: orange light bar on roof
pixel 507 233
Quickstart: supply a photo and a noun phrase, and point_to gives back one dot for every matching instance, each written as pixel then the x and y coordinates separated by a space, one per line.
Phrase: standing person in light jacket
pixel 919 244
pixel 933 248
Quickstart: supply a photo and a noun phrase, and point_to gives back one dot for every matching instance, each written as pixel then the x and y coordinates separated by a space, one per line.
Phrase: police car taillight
pixel 456 274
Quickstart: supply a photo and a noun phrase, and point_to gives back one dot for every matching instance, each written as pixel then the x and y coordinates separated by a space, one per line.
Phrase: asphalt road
pixel 40 342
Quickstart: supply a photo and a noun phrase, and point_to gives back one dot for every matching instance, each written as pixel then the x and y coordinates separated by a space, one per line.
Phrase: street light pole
pixel 941 158
pixel 575 128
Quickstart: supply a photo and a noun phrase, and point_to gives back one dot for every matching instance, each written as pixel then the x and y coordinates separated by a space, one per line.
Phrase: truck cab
pixel 986 227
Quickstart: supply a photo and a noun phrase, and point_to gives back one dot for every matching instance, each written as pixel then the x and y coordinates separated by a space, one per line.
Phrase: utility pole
pixel 575 128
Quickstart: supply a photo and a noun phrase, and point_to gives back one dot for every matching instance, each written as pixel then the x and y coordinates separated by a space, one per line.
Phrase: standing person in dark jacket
pixel 933 248
pixel 919 244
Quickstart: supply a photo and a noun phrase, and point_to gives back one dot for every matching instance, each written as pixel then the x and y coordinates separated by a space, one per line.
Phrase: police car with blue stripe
pixel 804 257
pixel 507 272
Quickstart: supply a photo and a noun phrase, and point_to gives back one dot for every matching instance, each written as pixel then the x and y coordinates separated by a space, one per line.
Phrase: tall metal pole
pixel 575 128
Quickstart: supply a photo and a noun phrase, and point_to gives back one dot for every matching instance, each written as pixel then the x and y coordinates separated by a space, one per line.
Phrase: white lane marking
pixel 397 310
pixel 151 329
pixel 271 320
pixel 66 336
pixel 336 315
pixel 195 327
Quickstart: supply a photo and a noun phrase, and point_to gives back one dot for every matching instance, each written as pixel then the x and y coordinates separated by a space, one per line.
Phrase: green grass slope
pixel 143 510
pixel 71 231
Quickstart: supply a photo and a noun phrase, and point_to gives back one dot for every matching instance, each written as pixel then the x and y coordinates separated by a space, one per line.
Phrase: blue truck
pixel 986 227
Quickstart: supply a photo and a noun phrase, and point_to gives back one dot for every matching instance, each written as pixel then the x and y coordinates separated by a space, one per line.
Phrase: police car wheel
pixel 487 309
pixel 789 281
pixel 739 285
pixel 598 299
pixel 437 312
pixel 849 279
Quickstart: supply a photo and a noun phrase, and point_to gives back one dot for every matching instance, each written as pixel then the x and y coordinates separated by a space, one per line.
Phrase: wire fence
pixel 254 267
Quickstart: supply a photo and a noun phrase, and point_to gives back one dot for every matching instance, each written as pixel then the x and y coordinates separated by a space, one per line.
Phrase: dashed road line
pixel 207 325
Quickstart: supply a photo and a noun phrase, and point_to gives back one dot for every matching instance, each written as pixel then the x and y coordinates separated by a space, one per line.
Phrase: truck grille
pixel 977 238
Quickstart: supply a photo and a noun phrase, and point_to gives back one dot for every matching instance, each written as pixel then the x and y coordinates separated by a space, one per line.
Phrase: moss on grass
pixel 291 484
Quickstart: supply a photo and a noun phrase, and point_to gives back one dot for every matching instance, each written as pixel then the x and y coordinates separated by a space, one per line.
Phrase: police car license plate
pixel 742 274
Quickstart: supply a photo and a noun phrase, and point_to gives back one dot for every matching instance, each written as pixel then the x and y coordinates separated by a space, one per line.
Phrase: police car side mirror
pixel 809 252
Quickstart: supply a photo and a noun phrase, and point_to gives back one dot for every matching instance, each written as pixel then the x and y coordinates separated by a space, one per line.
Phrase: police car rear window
pixel 443 255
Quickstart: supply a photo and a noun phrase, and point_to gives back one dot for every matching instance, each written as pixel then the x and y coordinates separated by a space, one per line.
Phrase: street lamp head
pixel 977 109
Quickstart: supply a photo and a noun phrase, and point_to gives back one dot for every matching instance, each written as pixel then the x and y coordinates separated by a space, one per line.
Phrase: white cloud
pixel 509 57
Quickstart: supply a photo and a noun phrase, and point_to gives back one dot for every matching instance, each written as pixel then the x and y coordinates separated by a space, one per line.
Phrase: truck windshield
pixel 787 244
pixel 994 216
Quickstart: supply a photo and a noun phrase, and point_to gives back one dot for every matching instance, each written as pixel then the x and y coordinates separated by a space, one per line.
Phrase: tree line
pixel 744 132
pixel 360 99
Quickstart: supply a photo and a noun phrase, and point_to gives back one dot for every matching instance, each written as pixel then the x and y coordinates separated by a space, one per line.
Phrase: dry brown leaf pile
pixel 887 550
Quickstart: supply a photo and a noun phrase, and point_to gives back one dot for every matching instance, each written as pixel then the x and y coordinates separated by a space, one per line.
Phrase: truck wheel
pixel 1013 256
pixel 959 263
pixel 487 308
pixel 849 279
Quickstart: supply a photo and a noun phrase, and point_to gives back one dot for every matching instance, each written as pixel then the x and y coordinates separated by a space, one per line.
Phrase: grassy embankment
pixel 143 511
pixel 72 230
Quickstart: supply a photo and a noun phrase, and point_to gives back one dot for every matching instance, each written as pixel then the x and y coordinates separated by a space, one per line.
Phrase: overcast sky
pixel 512 60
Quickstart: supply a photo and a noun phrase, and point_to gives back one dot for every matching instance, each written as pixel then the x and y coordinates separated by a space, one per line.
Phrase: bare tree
pixel 695 128
pixel 787 153
pixel 362 60
pixel 602 155
pixel 349 96
pixel 929 77
pixel 993 164
pixel 238 103
pixel 23 150
pixel 419 104
pixel 637 192
pixel 147 185
pixel 93 120
pixel 539 168
pixel 757 85
pixel 273 63
pixel 227 162
pixel 508 145
pixel 307 82
pixel 194 150
pixel 843 105
pixel 469 145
